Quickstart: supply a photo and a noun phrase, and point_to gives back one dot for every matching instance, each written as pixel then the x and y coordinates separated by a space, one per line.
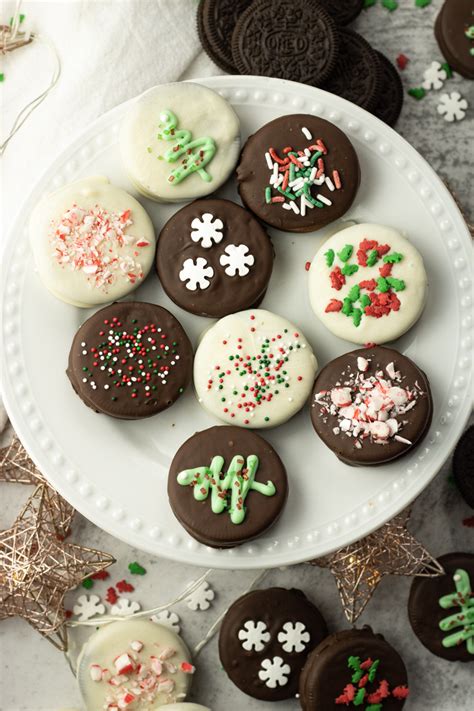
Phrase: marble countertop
pixel 35 677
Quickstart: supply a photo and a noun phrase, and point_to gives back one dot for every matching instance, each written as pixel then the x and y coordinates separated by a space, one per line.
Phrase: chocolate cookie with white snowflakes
pixel 214 258
pixel 371 406
pixel 265 639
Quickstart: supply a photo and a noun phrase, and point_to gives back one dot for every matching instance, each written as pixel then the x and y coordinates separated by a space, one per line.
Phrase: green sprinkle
pixel 356 316
pixel 287 193
pixel 374 707
pixel 373 670
pixel 149 149
pixel 329 257
pixel 268 195
pixel 364 301
pixel 369 3
pixel 382 285
pixel 136 569
pixel 347 307
pixel 360 696
pixel 417 93
pixel 160 157
pixel 422 3
pixel 393 257
pixel 391 5
pixel 88 583
pixel 311 199
pixel 2 77
pixel 292 172
pixel 354 293
pixel 448 70
pixel 315 157
pixel 345 252
pixel 349 269
pixel 372 258
pixel 267 419
pixel 397 284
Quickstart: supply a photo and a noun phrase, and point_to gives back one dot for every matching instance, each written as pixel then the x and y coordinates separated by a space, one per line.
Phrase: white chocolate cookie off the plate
pixel 92 242
pixel 179 141
pixel 254 369
pixel 136 665
pixel 367 284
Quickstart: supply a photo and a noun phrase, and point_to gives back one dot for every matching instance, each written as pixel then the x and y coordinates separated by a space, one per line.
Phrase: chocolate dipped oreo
pixel 390 99
pixel 289 39
pixel 130 360
pixel 226 485
pixel 441 609
pixel 463 466
pixel 371 406
pixel 216 20
pixel 265 638
pixel 454 32
pixel 357 75
pixel 214 258
pixel 354 669
pixel 298 173
pixel 343 11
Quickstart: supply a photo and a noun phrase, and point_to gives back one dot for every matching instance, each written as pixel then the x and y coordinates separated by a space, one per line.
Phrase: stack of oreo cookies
pixel 302 40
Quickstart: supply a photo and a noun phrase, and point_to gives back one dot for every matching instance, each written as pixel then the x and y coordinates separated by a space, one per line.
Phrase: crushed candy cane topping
pixel 95 242
pixel 138 676
pixel 369 407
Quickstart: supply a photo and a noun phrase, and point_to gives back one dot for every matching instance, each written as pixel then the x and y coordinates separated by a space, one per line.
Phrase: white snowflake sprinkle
pixel 196 274
pixel 167 619
pixel 293 637
pixel 88 606
pixel 237 260
pixel 434 76
pixel 274 672
pixel 254 635
pixel 207 230
pixel 125 607
pixel 201 598
pixel 452 106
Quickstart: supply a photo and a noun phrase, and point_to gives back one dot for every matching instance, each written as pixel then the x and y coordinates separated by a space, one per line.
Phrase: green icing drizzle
pixel 345 252
pixel 349 269
pixel 464 599
pixel 372 258
pixel 237 483
pixel 393 257
pixel 382 285
pixel 329 257
pixel 397 284
pixel 197 154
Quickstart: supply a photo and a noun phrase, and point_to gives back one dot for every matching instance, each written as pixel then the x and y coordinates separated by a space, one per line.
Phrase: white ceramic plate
pixel 115 472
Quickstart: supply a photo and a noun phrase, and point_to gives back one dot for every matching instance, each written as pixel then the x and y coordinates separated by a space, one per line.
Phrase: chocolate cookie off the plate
pixel 226 485
pixel 265 639
pixel 343 11
pixel 454 32
pixel 214 258
pixel 390 101
pixel 368 284
pixel 441 609
pixel 216 20
pixel 371 406
pixel 254 369
pixel 463 466
pixel 288 39
pixel 354 669
pixel 130 360
pixel 298 173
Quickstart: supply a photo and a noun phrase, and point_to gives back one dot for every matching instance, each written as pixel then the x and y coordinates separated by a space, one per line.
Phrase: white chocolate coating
pixel 238 344
pixel 113 640
pixel 410 270
pixel 199 110
pixel 86 253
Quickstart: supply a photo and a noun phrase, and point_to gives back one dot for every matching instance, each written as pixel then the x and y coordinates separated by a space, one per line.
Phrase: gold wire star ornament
pixel 359 568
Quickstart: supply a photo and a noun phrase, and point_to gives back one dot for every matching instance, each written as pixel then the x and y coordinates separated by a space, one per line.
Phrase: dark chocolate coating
pixel 326 672
pixel 289 39
pixel 343 11
pixel 197 517
pixel 425 612
pixel 463 466
pixel 225 294
pixel 357 75
pixel 451 24
pixel 418 418
pixel 118 401
pixel 216 20
pixel 390 100
pixel 253 174
pixel 274 607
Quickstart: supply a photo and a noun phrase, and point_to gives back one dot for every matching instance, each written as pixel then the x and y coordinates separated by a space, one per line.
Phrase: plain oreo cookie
pixel 454 32
pixel 226 485
pixel 265 639
pixel 390 100
pixel 214 258
pixel 343 11
pixel 357 75
pixel 288 39
pixel 463 466
pixel 216 20
pixel 439 609
pixel 130 360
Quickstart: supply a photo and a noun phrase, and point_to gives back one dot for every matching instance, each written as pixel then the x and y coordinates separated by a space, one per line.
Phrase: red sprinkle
pixel 337 179
pixel 334 305
pixel 122 586
pixel 111 596
pixel 386 269
pixel 100 575
pixel 402 60
pixel 307 266
pixel 469 522
pixel 369 284
pixel 401 692
pixel 337 278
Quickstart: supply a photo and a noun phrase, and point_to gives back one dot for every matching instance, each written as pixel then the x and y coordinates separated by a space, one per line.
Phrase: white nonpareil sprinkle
pixel 306 133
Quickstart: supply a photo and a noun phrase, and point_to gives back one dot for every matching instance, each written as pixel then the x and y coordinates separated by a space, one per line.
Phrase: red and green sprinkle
pixel 357 693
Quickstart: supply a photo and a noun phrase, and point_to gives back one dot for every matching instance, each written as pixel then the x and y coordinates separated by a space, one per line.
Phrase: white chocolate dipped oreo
pixel 254 369
pixel 135 664
pixel 367 284
pixel 92 242
pixel 179 141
